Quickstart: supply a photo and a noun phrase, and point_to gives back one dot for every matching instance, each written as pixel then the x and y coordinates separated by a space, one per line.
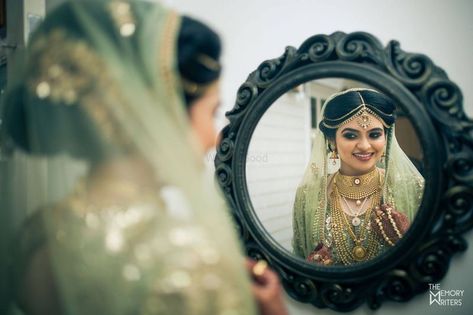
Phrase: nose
pixel 363 145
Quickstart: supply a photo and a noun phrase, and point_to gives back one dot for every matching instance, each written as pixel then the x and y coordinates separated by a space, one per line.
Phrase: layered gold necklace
pixel 358 187
pixel 355 244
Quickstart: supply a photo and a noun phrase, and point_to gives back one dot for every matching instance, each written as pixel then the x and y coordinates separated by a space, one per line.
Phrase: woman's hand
pixel 321 255
pixel 389 224
pixel 266 289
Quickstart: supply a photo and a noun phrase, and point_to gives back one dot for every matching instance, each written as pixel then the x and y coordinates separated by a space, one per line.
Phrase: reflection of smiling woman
pixel 367 205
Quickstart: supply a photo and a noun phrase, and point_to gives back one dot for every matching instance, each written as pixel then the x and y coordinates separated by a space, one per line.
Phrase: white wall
pixel 255 30
pixel 278 153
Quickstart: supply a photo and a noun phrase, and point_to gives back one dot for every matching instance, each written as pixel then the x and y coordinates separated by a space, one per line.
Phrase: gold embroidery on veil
pixel 64 83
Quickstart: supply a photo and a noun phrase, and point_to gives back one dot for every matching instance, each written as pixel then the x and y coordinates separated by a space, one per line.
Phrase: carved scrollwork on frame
pixel 413 70
pixel 434 105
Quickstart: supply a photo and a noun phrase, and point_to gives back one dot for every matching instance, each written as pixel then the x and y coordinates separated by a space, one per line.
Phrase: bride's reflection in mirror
pixel 328 179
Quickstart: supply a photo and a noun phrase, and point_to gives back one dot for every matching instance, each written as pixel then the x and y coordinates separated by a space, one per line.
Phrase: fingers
pixel 259 270
pixel 268 294
pixel 266 288
pixel 250 263
pixel 256 268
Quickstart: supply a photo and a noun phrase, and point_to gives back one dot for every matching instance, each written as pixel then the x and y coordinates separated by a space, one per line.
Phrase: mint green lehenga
pixel 150 238
pixel 401 187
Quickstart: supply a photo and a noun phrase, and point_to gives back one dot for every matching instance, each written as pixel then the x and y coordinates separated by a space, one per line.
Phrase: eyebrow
pixel 354 130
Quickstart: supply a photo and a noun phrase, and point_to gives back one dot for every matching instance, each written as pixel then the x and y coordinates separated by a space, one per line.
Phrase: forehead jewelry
pixel 364 120
pixel 362 113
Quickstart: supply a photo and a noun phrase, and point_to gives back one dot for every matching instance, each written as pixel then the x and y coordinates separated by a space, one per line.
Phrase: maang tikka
pixel 363 120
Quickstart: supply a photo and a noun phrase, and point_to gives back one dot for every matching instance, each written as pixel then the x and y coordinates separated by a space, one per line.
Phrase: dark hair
pixel 199 49
pixel 342 107
pixel 36 126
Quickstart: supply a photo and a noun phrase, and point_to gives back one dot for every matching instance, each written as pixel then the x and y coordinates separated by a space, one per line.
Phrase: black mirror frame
pixel 434 105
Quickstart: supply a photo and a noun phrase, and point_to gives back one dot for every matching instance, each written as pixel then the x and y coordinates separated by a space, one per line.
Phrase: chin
pixel 362 168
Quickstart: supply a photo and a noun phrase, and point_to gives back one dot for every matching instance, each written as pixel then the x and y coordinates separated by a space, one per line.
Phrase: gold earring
pixel 383 158
pixel 334 157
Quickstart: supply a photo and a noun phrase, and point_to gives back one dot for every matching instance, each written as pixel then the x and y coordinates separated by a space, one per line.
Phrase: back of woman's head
pixel 199 49
pixel 344 105
pixel 44 128
pixel 41 127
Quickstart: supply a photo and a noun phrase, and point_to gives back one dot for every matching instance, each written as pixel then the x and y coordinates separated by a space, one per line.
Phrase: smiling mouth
pixel 363 156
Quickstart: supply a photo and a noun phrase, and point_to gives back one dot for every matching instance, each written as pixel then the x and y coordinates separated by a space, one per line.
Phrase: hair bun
pixel 199 49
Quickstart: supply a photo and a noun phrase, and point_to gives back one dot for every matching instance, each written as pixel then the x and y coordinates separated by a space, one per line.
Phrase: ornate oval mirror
pixel 266 149
pixel 280 150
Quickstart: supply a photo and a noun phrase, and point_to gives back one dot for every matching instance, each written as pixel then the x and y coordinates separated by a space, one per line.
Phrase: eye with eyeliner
pixel 375 134
pixel 349 135
pixel 353 135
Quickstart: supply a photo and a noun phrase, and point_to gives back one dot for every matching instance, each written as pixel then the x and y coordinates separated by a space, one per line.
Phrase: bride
pixel 131 88
pixel 366 206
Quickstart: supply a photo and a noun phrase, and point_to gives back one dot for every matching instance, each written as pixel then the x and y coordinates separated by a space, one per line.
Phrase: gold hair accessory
pixel 208 62
pixel 361 112
pixel 260 267
pixel 363 120
pixel 193 88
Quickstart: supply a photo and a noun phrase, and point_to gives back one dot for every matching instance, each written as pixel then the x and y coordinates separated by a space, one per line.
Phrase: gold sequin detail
pixel 123 17
pixel 65 71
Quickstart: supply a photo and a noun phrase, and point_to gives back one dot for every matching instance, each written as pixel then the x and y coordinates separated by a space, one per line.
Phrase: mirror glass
pixel 280 152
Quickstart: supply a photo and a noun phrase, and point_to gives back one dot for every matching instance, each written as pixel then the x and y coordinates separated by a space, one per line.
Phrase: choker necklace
pixel 358 187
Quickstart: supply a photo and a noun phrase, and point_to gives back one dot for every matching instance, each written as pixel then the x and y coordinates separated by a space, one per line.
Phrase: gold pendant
pixel 355 221
pixel 359 253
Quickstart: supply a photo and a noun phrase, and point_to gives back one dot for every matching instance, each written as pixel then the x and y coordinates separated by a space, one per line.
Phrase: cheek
pixel 203 125
pixel 344 146
pixel 210 127
pixel 379 144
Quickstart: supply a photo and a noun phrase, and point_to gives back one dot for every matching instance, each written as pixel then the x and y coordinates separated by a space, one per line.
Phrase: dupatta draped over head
pixel 100 83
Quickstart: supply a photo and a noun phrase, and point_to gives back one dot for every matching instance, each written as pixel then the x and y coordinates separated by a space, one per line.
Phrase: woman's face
pixel 202 114
pixel 360 149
